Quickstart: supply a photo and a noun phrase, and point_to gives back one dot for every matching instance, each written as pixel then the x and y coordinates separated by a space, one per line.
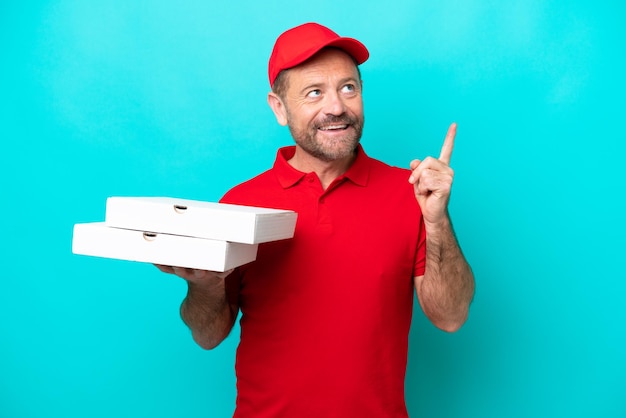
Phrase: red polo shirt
pixel 326 315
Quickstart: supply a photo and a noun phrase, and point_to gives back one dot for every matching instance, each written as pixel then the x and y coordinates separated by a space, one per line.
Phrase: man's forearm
pixel 207 313
pixel 447 287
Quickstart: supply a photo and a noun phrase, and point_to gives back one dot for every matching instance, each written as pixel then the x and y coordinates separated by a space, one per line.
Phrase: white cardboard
pixel 97 239
pixel 218 221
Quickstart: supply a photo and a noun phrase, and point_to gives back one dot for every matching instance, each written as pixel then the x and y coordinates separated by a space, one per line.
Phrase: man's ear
pixel 278 107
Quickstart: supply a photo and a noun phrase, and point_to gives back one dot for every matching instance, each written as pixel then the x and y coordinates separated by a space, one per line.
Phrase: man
pixel 326 315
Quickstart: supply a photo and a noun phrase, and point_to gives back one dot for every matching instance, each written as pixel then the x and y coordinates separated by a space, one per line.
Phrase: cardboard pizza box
pixel 98 239
pixel 217 221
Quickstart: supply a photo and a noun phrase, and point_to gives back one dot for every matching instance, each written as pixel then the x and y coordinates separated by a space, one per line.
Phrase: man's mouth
pixel 333 127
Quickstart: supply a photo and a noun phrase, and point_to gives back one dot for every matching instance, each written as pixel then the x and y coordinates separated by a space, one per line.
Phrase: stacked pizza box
pixel 181 232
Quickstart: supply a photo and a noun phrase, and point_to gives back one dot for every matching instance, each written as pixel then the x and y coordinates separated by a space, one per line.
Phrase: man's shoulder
pixel 250 190
pixel 381 168
pixel 389 180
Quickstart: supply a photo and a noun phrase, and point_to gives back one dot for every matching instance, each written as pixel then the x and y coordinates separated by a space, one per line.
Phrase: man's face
pixel 323 105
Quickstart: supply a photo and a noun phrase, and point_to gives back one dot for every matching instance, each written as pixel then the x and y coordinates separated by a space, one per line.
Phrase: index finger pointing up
pixel 448 144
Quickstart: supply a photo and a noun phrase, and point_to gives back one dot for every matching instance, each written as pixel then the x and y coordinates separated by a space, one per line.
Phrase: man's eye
pixel 349 88
pixel 314 93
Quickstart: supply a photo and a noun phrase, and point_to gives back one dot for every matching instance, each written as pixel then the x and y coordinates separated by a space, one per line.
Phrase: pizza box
pixel 217 221
pixel 98 239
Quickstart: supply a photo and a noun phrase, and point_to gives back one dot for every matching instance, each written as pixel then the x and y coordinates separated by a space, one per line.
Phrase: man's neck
pixel 327 171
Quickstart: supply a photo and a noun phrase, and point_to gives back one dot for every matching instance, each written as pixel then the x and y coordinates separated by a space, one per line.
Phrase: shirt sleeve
pixel 233 283
pixel 420 254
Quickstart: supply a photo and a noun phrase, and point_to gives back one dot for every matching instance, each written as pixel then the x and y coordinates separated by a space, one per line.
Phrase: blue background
pixel 168 98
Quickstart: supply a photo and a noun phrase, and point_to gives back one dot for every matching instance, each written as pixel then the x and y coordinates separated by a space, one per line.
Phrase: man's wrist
pixel 439 226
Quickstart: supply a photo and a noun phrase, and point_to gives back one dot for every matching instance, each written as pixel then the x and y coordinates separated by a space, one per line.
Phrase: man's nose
pixel 334 104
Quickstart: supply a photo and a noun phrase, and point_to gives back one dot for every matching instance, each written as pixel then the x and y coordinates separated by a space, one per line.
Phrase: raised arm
pixel 205 310
pixel 446 289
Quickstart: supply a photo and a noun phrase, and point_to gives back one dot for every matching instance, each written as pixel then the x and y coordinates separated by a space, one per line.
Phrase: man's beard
pixel 327 151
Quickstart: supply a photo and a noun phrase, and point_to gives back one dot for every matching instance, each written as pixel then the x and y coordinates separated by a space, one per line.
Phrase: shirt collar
pixel 358 173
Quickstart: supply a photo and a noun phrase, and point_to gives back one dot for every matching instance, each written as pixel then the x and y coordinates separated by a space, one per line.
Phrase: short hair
pixel 281 82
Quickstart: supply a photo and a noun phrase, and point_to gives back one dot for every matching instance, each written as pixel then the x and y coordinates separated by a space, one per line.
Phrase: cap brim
pixel 353 47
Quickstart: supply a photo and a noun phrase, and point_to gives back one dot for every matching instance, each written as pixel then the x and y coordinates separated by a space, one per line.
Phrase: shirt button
pixel 310 180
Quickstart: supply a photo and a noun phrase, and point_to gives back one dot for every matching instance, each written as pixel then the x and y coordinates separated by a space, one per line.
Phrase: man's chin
pixel 333 153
